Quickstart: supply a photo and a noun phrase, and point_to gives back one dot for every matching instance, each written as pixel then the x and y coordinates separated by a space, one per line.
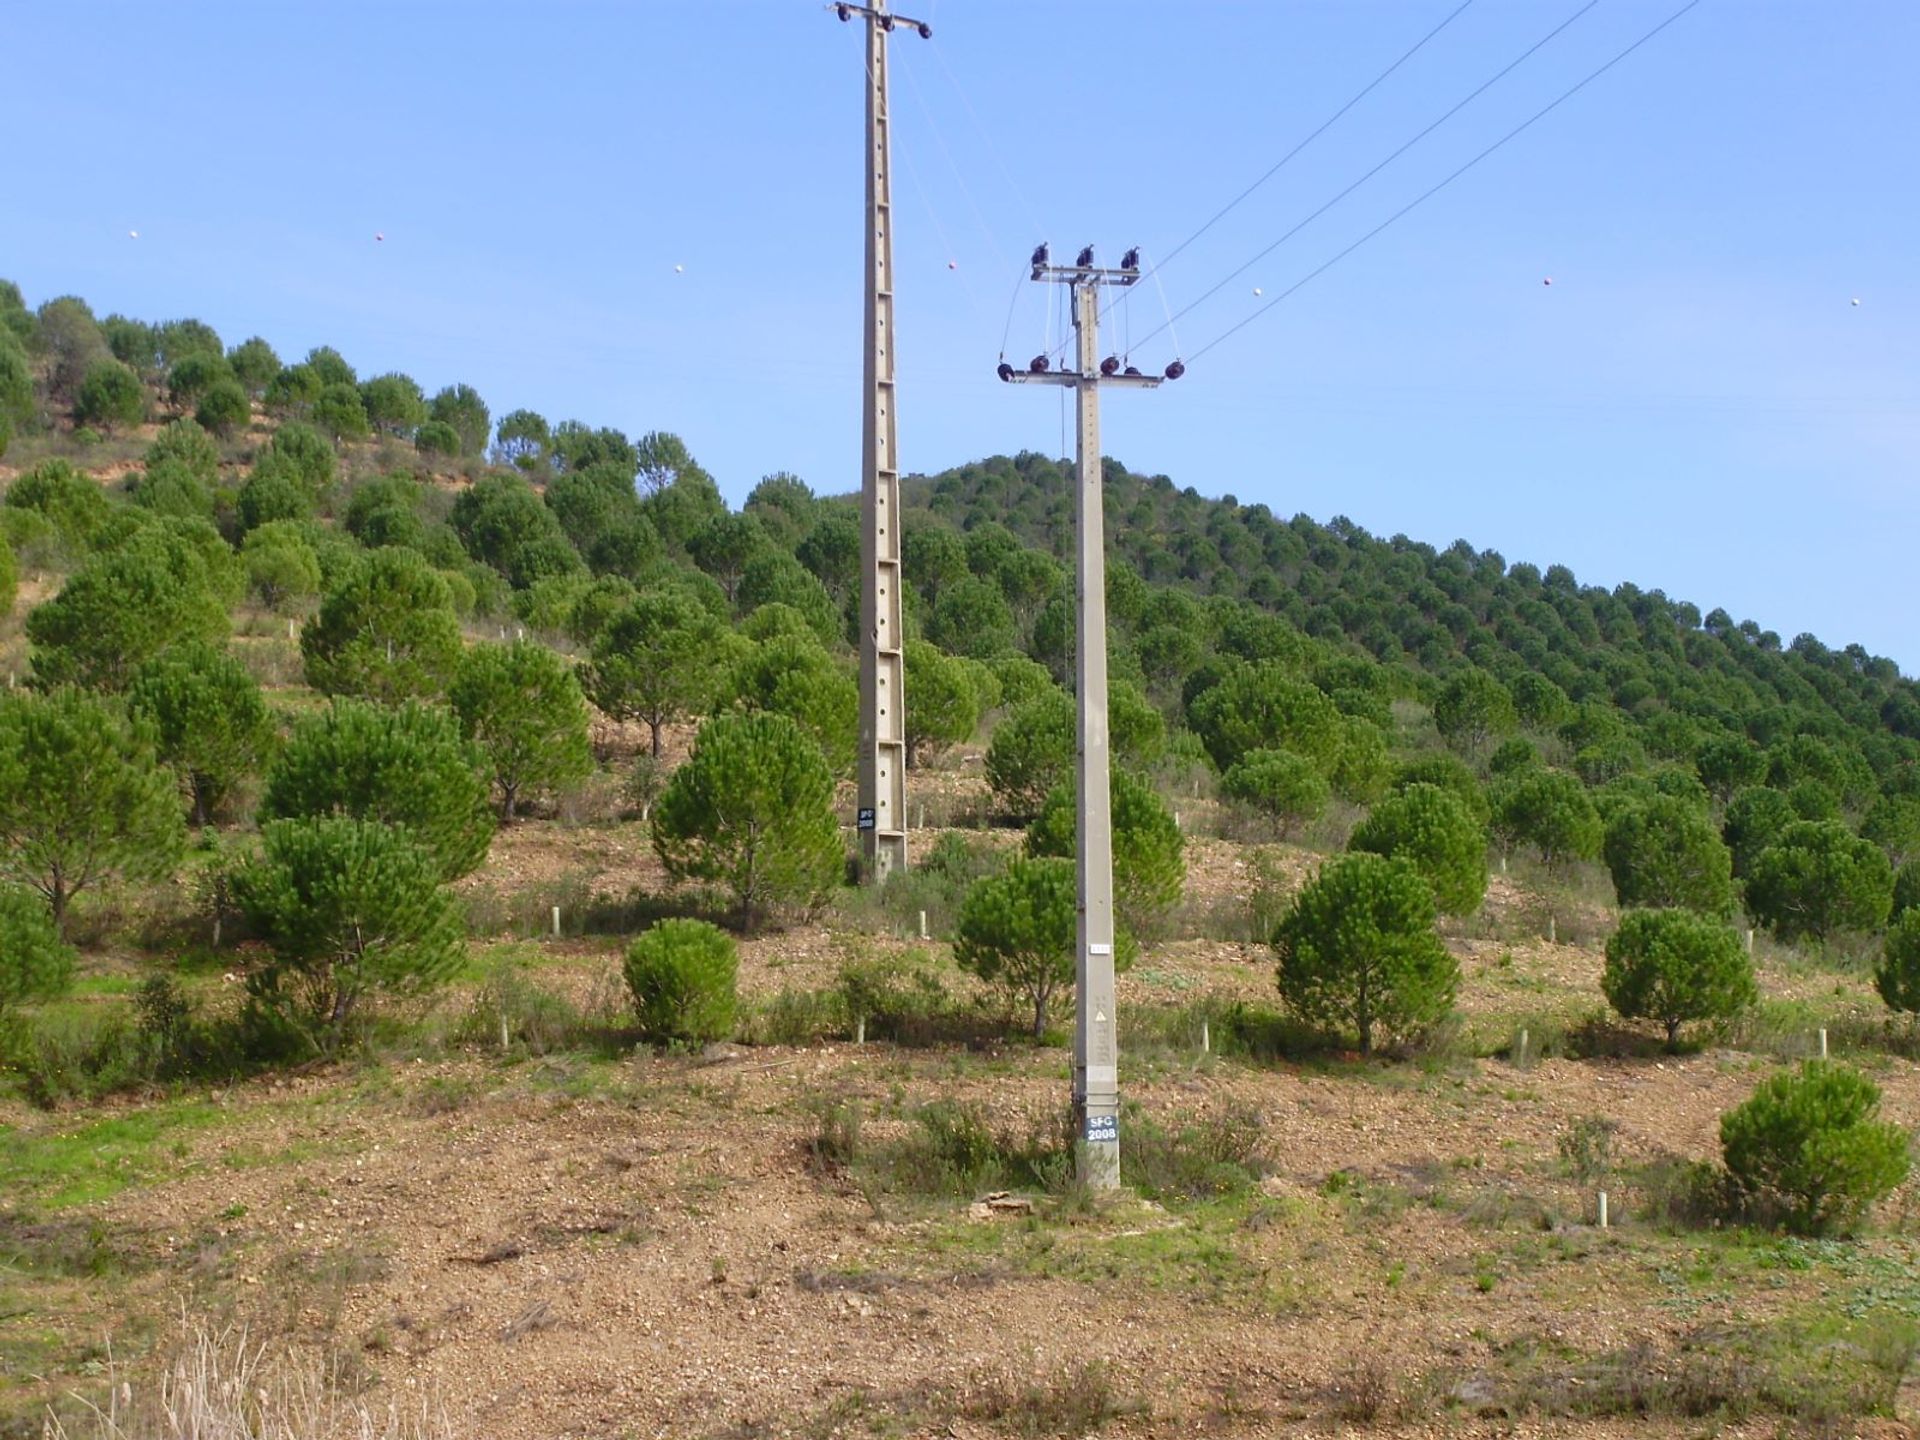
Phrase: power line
pixel 940 139
pixel 1434 190
pixel 1322 129
pixel 1432 126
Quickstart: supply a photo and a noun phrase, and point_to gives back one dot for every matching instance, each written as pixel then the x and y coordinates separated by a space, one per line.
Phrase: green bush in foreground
pixel 1674 966
pixel 350 908
pixel 34 962
pixel 752 809
pixel 1018 930
pixel 1358 951
pixel 1434 831
pixel 682 974
pixel 1810 1144
pixel 1897 976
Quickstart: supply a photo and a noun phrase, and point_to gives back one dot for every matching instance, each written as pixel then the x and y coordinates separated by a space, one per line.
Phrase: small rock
pixel 1475 1390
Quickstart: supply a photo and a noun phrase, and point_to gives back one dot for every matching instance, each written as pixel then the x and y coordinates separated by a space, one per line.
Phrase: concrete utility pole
pixel 1096 1048
pixel 882 814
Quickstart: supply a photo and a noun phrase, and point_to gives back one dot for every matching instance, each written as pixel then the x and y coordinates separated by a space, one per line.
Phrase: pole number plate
pixel 865 818
pixel 1103 1128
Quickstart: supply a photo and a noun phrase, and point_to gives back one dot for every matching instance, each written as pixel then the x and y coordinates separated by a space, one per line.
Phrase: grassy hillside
pixel 487 1202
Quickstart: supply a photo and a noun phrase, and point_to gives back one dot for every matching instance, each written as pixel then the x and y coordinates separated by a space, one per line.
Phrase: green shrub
pixel 1285 788
pixel 1019 929
pixel 1434 831
pixel 956 1149
pixel 1149 852
pixel 1031 752
pixel 1450 773
pixel 1358 951
pixel 351 909
pixel 1809 1147
pixel 1897 976
pixel 1674 966
pixel 1664 852
pixel 752 810
pixel 1550 811
pixel 1906 888
pixel 34 962
pixel 894 997
pixel 74 1053
pixel 1817 879
pixel 682 975
pixel 1194 1158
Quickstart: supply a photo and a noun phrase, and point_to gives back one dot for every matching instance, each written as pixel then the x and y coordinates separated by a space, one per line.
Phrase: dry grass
pixel 224 1385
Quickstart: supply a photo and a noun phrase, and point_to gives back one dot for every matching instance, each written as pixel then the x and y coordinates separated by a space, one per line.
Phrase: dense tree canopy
pixel 1358 950
pixel 82 798
pixel 168 584
pixel 1287 789
pixel 1264 707
pixel 1819 879
pixel 408 767
pixel 350 909
pixel 1674 966
pixel 110 397
pixel 1665 853
pixel 1473 710
pixel 35 963
pixel 522 706
pixel 659 660
pixel 944 703
pixel 1017 930
pixel 386 631
pixel 793 675
pixel 752 810
pixel 1548 811
pixel 1149 852
pixel 502 522
pixel 1434 831
pixel 208 719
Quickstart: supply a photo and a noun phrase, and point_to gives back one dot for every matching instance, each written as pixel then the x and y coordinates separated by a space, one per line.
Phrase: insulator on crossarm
pixel 1004 371
pixel 926 31
pixel 1110 365
pixel 1131 370
pixel 886 23
pixel 1040 365
pixel 843 11
pixel 1176 370
pixel 1040 254
pixel 1131 260
pixel 1085 262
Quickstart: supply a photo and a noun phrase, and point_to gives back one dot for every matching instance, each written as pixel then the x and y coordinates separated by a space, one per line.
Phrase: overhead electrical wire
pixel 1315 134
pixel 1284 160
pixel 1422 134
pixel 1435 189
pixel 946 152
pixel 973 115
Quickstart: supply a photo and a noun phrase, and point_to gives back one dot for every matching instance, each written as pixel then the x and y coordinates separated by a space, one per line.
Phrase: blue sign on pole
pixel 1103 1128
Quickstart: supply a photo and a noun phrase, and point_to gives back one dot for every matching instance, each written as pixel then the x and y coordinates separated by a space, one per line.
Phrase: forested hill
pixel 1676 677
pixel 281 478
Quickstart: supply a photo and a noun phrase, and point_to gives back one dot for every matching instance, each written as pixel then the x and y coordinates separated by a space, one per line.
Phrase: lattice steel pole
pixel 882 802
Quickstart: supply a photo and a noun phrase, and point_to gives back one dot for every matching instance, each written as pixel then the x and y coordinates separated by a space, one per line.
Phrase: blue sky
pixel 1693 404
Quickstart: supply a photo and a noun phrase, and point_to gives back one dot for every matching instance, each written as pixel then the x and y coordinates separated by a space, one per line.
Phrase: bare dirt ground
pixel 578 1245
